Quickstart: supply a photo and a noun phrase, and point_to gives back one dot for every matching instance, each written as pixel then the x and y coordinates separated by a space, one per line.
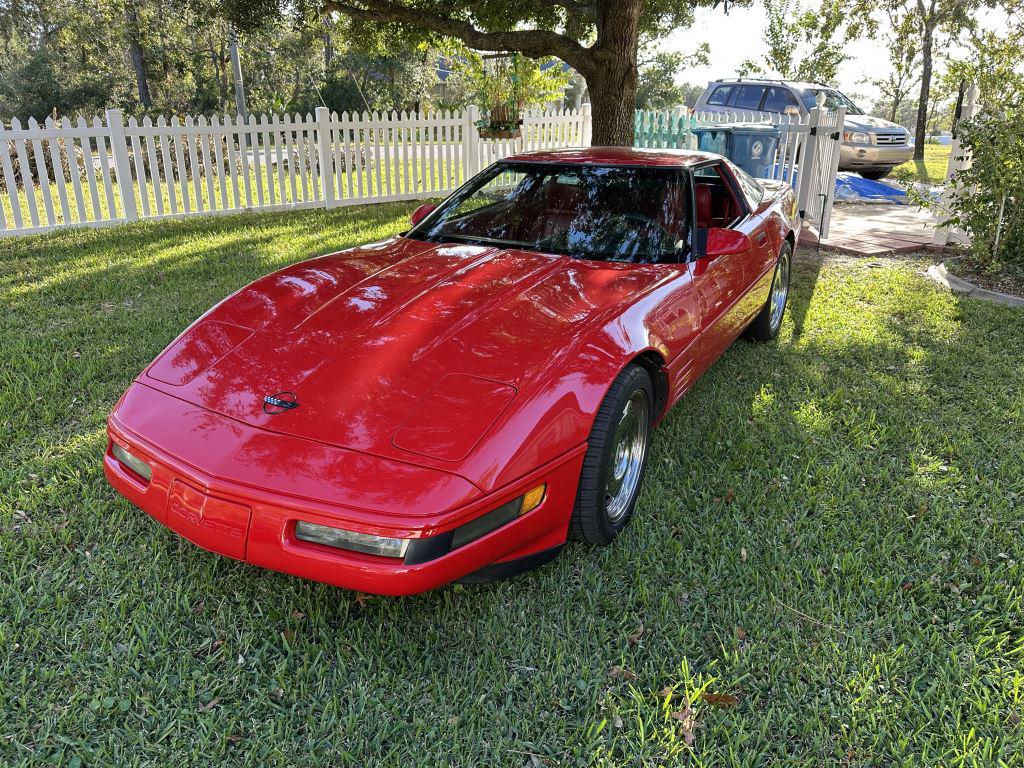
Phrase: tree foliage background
pixel 657 87
pixel 807 41
pixel 73 57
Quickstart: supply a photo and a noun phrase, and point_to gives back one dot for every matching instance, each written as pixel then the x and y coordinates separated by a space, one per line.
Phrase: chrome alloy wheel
pixel 626 459
pixel 780 291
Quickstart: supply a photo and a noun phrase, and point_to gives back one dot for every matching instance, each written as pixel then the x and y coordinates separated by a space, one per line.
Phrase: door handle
pixel 762 239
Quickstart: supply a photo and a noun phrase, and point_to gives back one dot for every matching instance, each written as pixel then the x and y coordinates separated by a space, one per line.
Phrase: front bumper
pixel 863 157
pixel 220 508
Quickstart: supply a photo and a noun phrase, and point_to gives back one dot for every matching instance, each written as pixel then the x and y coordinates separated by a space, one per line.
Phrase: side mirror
pixel 725 242
pixel 420 213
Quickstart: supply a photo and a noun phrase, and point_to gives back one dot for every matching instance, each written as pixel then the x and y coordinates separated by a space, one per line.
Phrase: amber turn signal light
pixel 533 498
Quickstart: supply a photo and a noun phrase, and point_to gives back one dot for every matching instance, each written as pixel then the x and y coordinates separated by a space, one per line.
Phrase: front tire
pixel 769 320
pixel 613 467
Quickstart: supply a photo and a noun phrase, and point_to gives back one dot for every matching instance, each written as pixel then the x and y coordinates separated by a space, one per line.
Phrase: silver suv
pixel 871 146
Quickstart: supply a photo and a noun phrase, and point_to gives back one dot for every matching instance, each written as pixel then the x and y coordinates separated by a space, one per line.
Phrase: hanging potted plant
pixel 499 125
pixel 496 88
pixel 505 86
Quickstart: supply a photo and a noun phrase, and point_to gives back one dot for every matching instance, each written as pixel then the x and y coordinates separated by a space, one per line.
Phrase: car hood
pixel 401 349
pixel 870 123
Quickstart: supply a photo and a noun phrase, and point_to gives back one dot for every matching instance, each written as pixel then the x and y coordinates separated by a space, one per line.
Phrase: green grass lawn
pixel 830 533
pixel 932 169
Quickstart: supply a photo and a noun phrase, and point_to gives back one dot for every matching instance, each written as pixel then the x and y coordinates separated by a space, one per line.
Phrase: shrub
pixel 986 199
pixel 20 174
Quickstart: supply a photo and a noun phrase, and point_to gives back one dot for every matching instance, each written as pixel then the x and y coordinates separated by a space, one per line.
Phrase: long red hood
pixel 402 349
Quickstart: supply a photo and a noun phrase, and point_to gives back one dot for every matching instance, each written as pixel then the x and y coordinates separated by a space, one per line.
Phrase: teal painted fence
pixel 674 130
pixel 664 130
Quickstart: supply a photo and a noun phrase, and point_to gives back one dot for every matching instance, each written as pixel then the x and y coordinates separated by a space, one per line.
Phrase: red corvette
pixel 455 402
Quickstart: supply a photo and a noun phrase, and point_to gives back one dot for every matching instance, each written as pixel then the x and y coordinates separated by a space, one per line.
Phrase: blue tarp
pixel 854 188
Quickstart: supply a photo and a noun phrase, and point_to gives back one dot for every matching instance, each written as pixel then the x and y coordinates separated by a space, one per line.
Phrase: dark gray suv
pixel 871 146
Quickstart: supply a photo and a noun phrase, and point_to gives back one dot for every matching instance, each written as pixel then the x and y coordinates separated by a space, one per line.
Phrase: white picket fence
pixel 812 142
pixel 108 172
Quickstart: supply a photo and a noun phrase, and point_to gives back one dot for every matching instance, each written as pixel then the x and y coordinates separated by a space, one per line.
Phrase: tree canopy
pixel 599 38
pixel 808 42
pixel 77 58
pixel 937 25
pixel 657 87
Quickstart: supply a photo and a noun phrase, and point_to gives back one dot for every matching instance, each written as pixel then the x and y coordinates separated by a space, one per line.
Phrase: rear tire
pixel 766 325
pixel 616 458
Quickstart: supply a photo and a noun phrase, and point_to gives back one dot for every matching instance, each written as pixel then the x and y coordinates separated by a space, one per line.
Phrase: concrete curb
pixel 939 274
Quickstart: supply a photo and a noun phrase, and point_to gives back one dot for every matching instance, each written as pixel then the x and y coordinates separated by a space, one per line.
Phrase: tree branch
pixel 586 10
pixel 533 42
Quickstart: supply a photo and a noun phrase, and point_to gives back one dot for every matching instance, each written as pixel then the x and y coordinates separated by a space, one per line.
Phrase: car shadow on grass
pixel 807 263
pixel 824 517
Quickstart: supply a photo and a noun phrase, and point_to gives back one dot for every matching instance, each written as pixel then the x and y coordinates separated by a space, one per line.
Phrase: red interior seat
pixel 703 203
pixel 562 203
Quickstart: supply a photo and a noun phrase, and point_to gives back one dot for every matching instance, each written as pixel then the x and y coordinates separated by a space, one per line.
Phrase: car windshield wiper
pixel 477 240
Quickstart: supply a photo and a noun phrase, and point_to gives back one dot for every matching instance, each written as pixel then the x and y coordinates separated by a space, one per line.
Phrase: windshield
pixel 833 100
pixel 630 214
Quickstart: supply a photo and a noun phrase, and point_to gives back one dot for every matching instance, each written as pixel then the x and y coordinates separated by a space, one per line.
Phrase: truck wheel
pixel 876 175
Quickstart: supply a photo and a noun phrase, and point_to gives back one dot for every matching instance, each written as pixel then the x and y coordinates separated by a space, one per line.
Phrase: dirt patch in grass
pixel 1006 278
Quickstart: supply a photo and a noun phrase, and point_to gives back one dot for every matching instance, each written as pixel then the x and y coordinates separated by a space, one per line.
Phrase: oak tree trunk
pixel 926 85
pixel 612 110
pixel 136 55
pixel 613 80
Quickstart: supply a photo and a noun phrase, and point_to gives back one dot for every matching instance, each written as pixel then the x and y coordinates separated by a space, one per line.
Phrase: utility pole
pixel 236 69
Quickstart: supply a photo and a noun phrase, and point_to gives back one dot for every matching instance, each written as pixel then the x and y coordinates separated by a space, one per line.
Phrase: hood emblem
pixel 279 403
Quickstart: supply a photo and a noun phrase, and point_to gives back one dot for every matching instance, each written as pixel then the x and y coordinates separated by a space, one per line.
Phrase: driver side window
pixel 714 202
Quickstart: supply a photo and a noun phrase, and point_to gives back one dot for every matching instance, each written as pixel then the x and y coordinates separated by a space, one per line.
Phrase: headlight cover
pixel 415 551
pixel 856 137
pixel 132 462
pixel 383 546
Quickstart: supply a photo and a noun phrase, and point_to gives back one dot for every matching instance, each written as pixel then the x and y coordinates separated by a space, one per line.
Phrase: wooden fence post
pixel 119 145
pixel 588 124
pixel 470 143
pixel 689 122
pixel 957 161
pixel 325 155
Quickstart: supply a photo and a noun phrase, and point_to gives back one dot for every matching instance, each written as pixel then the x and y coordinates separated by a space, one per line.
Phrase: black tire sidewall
pixel 590 521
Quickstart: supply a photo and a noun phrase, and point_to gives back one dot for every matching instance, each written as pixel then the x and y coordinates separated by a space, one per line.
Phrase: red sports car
pixel 455 402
